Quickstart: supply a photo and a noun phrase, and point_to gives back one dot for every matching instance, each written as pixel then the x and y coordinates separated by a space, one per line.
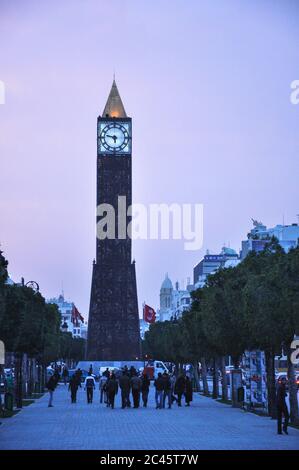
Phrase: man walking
pixel 172 385
pixel 51 385
pixel 145 386
pixel 282 408
pixel 159 385
pixel 65 375
pixel 136 389
pixel 112 390
pixel 180 388
pixel 73 387
pixel 125 386
pixel 102 388
pixel 166 389
pixel 89 386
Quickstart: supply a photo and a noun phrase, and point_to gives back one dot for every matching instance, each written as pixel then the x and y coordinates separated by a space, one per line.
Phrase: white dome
pixel 166 284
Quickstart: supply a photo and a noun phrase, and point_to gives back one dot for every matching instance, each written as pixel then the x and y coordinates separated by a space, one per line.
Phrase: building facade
pixel 173 301
pixel 211 263
pixel 260 235
pixel 70 322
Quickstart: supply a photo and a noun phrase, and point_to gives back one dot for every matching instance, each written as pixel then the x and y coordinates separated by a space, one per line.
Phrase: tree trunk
pixel 19 379
pixel 25 375
pixel 1 375
pixel 224 379
pixel 196 377
pixel 205 385
pixel 294 412
pixel 271 389
pixel 215 393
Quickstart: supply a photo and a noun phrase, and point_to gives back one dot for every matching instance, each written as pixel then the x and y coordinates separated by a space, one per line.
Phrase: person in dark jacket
pixel 282 408
pixel 188 391
pixel 125 386
pixel 166 389
pixel 56 376
pixel 145 386
pixel 73 387
pixel 112 390
pixel 159 386
pixel 180 388
pixel 89 386
pixel 79 374
pixel 51 385
pixel 65 375
pixel 136 389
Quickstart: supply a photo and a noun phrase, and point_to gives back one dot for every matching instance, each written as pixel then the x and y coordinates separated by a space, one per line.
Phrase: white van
pixel 153 368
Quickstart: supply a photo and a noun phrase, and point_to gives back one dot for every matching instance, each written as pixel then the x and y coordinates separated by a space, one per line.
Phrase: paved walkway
pixel 205 425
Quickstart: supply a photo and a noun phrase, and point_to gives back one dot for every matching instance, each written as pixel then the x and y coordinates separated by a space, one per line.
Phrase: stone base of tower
pixel 113 326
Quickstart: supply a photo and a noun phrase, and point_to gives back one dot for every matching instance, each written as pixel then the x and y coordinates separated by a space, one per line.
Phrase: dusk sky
pixel 207 85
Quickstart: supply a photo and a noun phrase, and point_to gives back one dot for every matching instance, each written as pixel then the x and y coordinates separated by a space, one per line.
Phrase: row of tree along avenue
pixel 30 331
pixel 254 305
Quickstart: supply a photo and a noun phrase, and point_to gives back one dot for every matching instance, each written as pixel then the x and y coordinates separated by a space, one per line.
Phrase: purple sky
pixel 207 85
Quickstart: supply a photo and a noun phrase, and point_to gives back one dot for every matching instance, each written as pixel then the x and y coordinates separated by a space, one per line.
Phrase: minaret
pixel 113 327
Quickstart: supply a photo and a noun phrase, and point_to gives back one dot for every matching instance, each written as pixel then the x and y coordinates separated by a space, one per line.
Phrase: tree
pixel 269 311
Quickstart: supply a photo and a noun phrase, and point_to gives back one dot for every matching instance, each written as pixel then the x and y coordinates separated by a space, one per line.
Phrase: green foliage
pixel 254 305
pixel 30 325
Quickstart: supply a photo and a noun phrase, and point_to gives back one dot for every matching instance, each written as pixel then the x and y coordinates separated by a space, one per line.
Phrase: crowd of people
pixel 133 387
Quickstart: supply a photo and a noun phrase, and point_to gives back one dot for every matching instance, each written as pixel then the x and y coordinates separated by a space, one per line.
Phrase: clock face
pixel 114 137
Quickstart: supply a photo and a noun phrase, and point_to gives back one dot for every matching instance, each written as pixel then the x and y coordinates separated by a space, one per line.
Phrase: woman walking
pixel 188 391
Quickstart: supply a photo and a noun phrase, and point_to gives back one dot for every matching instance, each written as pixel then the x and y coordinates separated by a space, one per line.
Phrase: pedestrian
pixel 90 372
pixel 56 376
pixel 79 374
pixel 166 389
pixel 136 389
pixel 145 386
pixel 180 388
pixel 125 386
pixel 282 408
pixel 51 385
pixel 107 373
pixel 89 386
pixel 188 391
pixel 112 390
pixel 65 374
pixel 73 387
pixel 102 388
pixel 159 386
pixel 172 385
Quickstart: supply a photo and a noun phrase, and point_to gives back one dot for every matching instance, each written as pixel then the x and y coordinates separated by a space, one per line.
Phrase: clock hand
pixel 112 137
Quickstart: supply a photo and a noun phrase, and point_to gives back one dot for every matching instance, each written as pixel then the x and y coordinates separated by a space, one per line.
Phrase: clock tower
pixel 113 326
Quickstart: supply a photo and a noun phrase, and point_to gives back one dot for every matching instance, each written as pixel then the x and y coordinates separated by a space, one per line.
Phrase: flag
pixel 76 316
pixel 149 314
